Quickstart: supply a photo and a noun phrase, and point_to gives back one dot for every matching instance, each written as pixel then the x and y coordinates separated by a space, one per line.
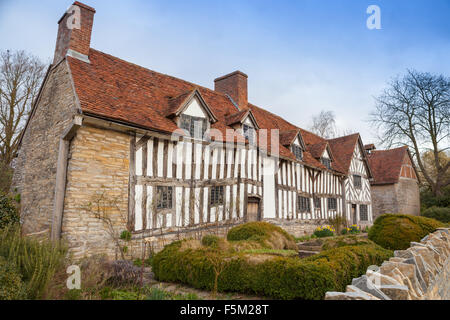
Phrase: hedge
pixel 11 284
pixel 271 276
pixel 8 212
pixel 266 234
pixel 439 213
pixel 396 231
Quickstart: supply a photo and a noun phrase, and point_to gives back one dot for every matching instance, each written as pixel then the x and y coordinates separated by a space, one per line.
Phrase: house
pixel 111 146
pixel 395 184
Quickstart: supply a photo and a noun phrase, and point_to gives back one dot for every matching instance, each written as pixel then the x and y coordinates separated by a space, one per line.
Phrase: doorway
pixel 253 212
pixel 354 214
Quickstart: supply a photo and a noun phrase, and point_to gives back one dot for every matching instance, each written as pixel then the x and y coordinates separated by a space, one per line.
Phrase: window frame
pixel 161 203
pixel 357 177
pixel 191 121
pixel 326 162
pixel 295 150
pixel 216 198
pixel 303 204
pixel 245 129
pixel 332 201
pixel 366 213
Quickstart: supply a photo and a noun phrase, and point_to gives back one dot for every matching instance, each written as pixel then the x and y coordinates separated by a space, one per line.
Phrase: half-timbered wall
pixel 192 168
pixel 294 179
pixel 358 196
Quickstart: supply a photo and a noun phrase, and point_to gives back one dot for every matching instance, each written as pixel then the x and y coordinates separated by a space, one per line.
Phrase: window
pixel 164 197
pixel 249 133
pixel 357 181
pixel 216 197
pixel 363 215
pixel 194 125
pixel 332 203
pixel 317 203
pixel 297 150
pixel 326 162
pixel 303 204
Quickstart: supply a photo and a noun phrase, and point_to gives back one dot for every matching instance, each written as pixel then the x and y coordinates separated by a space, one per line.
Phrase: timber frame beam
pixel 61 176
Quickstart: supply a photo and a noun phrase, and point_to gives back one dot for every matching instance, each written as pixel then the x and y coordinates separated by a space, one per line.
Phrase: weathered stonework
pixel 421 272
pixel 98 172
pixel 401 197
pixel 35 167
pixel 298 228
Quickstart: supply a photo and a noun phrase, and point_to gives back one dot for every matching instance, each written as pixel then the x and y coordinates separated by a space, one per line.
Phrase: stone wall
pixel 35 172
pixel 298 228
pixel 422 272
pixel 384 199
pixel 97 184
pixel 408 196
pixel 402 197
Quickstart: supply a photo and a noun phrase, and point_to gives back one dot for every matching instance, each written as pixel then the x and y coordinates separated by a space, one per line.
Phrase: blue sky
pixel 301 56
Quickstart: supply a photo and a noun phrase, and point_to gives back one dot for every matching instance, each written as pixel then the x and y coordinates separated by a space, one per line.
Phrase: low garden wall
pixel 421 272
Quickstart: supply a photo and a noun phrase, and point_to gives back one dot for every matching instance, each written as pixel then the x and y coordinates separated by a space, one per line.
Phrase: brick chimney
pixel 235 86
pixel 74 32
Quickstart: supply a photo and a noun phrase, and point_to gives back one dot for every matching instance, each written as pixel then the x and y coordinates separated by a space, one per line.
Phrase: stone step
pixel 307 253
pixel 308 247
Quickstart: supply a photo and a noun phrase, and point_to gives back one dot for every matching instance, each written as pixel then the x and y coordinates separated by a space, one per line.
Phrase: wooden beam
pixel 61 177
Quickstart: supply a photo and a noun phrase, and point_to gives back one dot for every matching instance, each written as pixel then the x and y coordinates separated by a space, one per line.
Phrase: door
pixel 354 213
pixel 253 210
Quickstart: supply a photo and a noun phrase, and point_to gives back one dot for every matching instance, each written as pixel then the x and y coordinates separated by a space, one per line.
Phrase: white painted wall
pixel 194 109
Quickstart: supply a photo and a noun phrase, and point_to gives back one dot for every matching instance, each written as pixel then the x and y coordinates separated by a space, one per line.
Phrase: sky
pixel 301 56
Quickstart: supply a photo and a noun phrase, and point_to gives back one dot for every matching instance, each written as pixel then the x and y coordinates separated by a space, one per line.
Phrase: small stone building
pixel 110 147
pixel 395 184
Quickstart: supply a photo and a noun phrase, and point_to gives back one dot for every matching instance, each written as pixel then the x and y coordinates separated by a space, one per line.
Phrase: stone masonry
pixel 401 197
pixel 421 272
pixel 97 183
pixel 38 154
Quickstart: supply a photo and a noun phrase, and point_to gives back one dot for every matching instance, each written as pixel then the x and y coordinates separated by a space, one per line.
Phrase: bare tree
pixel 415 111
pixel 324 125
pixel 20 77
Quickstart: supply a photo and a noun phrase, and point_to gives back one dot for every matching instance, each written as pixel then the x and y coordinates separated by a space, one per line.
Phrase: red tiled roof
pixel 287 137
pixel 236 117
pixel 386 165
pixel 118 90
pixel 343 148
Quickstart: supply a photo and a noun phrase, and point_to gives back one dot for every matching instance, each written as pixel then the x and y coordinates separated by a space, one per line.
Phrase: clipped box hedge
pixel 396 231
pixel 265 234
pixel 272 276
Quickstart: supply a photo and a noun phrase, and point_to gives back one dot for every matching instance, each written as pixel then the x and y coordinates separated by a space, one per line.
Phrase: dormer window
pixel 249 133
pixel 297 151
pixel 326 162
pixel 195 126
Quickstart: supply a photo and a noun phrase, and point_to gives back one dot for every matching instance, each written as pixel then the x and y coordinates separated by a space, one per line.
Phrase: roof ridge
pixel 386 150
pixel 347 136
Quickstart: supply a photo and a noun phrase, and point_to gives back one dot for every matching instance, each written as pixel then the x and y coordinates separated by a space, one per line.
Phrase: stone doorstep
pixel 307 253
pixel 306 247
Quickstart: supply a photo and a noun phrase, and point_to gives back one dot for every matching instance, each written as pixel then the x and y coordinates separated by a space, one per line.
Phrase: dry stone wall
pixel 421 272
